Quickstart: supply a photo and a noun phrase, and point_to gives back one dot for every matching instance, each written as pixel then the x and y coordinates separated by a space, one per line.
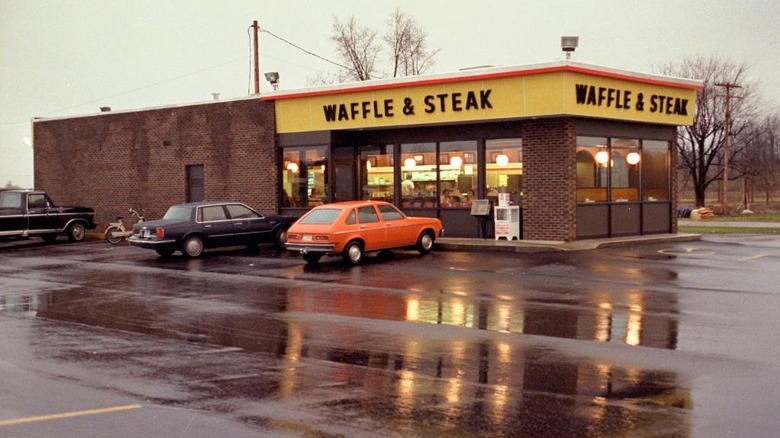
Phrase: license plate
pixel 146 234
pixel 307 237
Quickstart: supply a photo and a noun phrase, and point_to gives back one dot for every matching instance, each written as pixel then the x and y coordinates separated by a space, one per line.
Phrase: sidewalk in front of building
pixel 531 246
pixel 726 224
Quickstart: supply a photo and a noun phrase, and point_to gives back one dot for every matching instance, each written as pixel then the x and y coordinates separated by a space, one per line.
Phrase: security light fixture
pixel 569 44
pixel 273 78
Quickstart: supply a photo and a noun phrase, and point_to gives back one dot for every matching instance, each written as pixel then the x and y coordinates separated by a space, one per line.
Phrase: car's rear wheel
pixel 192 247
pixel 280 238
pixel 353 253
pixel 311 257
pixel 425 242
pixel 164 252
pixel 76 232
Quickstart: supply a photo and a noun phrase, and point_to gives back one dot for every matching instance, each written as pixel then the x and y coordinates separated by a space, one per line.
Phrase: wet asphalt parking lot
pixel 668 339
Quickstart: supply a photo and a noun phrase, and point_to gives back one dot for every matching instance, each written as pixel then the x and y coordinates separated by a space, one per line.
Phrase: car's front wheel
pixel 192 247
pixel 425 242
pixel 353 253
pixel 76 232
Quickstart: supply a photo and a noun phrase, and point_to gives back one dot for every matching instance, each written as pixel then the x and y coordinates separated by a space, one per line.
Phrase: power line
pixel 304 50
pixel 149 85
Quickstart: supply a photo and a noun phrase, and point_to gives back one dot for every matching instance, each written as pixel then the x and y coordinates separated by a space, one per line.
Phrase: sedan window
pixel 352 218
pixel 179 213
pixel 238 211
pixel 213 213
pixel 367 215
pixel 390 213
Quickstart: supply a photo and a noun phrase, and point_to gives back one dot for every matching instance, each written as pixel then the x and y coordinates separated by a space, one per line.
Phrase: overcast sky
pixel 70 57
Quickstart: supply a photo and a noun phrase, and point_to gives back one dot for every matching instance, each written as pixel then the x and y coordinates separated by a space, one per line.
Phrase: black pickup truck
pixel 25 213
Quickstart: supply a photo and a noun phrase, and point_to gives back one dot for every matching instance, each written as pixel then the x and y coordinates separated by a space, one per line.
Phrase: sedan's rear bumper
pixel 307 248
pixel 152 244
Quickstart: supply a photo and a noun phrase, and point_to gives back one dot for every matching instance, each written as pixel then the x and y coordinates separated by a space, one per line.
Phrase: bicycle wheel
pixel 113 235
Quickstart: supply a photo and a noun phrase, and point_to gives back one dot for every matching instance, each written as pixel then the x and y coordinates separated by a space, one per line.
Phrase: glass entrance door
pixel 344 187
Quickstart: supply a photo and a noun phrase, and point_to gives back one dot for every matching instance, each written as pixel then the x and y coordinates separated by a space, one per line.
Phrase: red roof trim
pixel 480 77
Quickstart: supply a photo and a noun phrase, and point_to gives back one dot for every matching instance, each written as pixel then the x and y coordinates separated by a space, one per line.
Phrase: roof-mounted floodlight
pixel 568 44
pixel 273 78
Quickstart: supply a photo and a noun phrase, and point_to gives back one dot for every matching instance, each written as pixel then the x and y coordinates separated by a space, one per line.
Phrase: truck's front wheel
pixel 76 232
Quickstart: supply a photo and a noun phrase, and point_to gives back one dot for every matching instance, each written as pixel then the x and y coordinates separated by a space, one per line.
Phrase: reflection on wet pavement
pixel 341 359
pixel 427 385
pixel 354 386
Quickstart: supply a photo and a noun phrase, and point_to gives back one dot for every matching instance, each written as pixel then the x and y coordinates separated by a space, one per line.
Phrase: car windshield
pixel 321 216
pixel 179 212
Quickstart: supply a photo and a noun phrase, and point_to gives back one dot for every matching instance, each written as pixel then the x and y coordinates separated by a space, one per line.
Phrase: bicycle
pixel 116 232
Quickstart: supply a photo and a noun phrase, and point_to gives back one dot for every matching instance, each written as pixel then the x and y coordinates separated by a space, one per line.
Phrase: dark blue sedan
pixel 193 227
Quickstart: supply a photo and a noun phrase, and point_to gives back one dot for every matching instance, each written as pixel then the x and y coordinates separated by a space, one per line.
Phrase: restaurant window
pixel 377 173
pixel 418 175
pixel 624 169
pixel 504 169
pixel 458 171
pixel 655 170
pixel 592 162
pixel 304 176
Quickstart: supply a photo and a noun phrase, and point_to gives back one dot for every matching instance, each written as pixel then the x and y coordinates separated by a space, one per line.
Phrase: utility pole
pixel 256 31
pixel 728 86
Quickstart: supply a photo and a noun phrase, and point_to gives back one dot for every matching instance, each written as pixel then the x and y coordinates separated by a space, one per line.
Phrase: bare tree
pixel 701 145
pixel 761 161
pixel 358 47
pixel 409 55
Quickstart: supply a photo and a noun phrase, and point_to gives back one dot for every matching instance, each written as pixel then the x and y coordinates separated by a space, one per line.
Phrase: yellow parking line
pixel 15 421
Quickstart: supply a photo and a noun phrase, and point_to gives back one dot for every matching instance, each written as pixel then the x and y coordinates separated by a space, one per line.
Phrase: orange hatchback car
pixel 353 228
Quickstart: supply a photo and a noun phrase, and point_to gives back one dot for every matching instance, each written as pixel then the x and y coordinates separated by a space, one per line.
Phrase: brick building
pixel 581 151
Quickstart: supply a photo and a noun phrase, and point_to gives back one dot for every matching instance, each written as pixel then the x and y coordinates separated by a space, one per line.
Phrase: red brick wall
pixel 114 161
pixel 549 179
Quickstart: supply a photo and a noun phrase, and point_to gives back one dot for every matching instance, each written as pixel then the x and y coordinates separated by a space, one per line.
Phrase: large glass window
pixel 304 180
pixel 624 169
pixel 418 165
pixel 592 162
pixel 630 169
pixel 655 170
pixel 457 173
pixel 504 169
pixel 378 180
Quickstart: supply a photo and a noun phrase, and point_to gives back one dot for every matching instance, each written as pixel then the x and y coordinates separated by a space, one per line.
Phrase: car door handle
pixel 239 223
pixel 207 226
